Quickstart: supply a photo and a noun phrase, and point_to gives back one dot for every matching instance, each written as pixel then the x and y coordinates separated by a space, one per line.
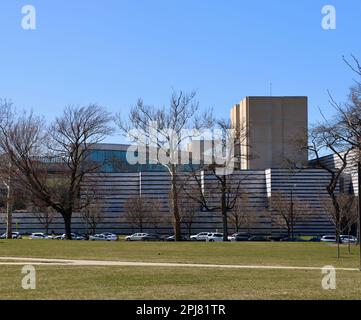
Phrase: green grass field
pixel 114 282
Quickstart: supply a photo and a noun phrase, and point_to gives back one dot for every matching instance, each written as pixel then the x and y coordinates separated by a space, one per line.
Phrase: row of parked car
pixel 202 236
pixel 105 236
pixel 218 237
pixel 141 236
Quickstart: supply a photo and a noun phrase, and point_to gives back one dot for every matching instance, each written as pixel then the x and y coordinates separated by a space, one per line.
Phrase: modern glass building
pixel 113 159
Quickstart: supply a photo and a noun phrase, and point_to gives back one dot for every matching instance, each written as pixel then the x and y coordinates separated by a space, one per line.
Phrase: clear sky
pixel 112 52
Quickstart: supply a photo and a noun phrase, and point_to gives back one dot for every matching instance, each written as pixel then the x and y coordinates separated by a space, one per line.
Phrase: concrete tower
pixel 271 129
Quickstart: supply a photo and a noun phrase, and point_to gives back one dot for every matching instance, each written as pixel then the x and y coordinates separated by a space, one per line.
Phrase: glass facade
pixel 113 161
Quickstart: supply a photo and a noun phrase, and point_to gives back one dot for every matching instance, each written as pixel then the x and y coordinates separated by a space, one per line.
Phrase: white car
pixel 214 237
pixel 39 235
pixel 203 236
pixel 74 236
pixel 328 239
pixel 348 239
pixel 97 237
pixel 110 236
pixel 135 237
pixel 15 235
pixel 103 237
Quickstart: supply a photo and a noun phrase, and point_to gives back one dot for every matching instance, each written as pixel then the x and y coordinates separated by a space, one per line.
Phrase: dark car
pixel 315 239
pixel 259 239
pixel 172 238
pixel 295 239
pixel 278 238
pixel 240 236
pixel 152 237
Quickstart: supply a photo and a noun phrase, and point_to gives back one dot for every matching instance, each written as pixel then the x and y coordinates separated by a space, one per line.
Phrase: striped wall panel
pixel 116 188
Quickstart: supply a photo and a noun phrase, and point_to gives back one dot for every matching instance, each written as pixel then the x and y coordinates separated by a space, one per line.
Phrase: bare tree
pixel 348 121
pixel 349 213
pixel 93 212
pixel 45 216
pixel 326 137
pixel 7 171
pixel 343 220
pixel 156 216
pixel 288 211
pixel 189 210
pixel 242 214
pixel 218 188
pixel 335 218
pixel 136 212
pixel 164 130
pixel 15 196
pixel 64 147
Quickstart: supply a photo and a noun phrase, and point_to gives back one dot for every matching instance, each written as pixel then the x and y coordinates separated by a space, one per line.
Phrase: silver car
pixel 74 236
pixel 135 237
pixel 348 239
pixel 15 235
pixel 103 237
pixel 215 237
pixel 203 236
pixel 39 235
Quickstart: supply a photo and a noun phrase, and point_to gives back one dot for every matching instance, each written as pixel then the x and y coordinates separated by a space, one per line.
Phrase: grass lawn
pixel 114 282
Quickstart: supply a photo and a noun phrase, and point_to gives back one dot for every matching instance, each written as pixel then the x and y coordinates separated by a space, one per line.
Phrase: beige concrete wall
pixel 271 124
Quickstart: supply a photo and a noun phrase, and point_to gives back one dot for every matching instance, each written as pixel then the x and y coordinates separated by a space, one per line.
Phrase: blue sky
pixel 112 52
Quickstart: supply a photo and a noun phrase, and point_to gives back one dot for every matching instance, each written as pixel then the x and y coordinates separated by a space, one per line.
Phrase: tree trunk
pixel 177 226
pixel 337 222
pixel 338 240
pixel 67 224
pixel 288 230
pixel 93 228
pixel 224 211
pixel 175 208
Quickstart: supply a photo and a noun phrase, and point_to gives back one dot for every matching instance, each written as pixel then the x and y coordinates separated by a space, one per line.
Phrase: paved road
pixel 67 262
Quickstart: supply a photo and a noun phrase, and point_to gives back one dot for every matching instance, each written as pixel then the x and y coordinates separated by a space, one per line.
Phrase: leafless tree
pixel 345 218
pixel 64 147
pixel 45 215
pixel 326 138
pixel 92 212
pixel 348 120
pixel 165 131
pixel 6 169
pixel 136 212
pixel 242 214
pixel 156 215
pixel 14 197
pixel 218 188
pixel 287 211
pixel 189 210
pixel 349 213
